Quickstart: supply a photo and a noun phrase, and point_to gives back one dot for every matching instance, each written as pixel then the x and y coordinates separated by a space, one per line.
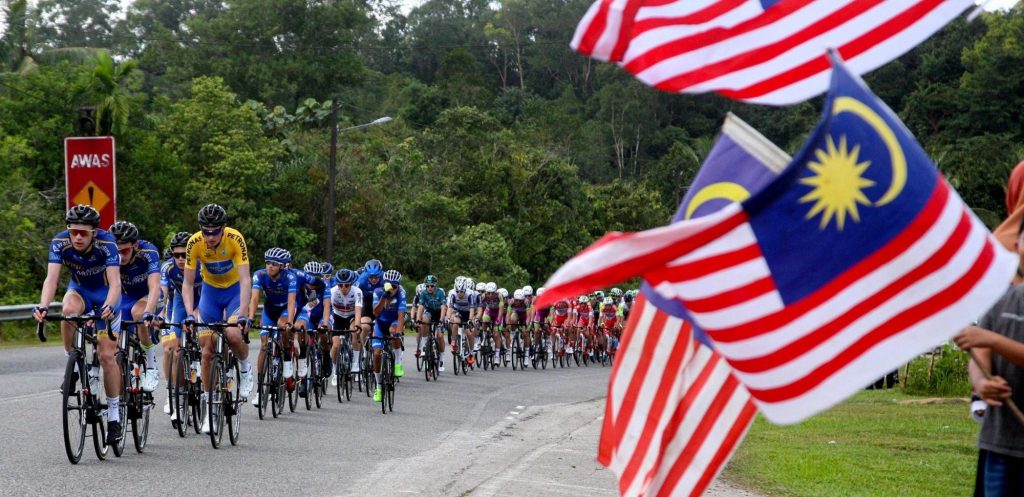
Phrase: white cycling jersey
pixel 464 303
pixel 344 304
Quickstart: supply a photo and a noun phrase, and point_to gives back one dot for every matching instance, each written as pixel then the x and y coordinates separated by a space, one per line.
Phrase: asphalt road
pixel 485 433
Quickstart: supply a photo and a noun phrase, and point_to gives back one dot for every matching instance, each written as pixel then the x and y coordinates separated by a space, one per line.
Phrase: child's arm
pixel 974 337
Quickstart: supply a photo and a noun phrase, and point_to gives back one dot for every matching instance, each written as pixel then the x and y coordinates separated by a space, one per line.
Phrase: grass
pixel 23 333
pixel 868 446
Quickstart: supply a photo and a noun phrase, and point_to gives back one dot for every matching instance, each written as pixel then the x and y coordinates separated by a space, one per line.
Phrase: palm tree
pixel 19 53
pixel 109 93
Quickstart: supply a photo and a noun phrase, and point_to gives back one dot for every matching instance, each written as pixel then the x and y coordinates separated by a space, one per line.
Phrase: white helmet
pixel 518 295
pixel 491 287
pixel 540 291
pixel 609 301
pixel 616 292
pixel 420 287
pixel 528 290
pixel 481 286
pixel 503 292
pixel 460 285
pixel 458 279
pixel 584 299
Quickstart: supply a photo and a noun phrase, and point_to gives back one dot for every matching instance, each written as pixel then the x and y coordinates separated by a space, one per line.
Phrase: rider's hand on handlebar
pixel 106 312
pixel 39 313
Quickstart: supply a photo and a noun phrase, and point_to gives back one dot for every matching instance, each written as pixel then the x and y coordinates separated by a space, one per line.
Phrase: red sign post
pixel 89 173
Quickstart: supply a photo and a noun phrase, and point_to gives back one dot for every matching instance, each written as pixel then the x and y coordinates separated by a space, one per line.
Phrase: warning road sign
pixel 90 175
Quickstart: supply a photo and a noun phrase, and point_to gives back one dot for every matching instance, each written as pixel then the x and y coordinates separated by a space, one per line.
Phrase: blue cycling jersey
pixel 276 290
pixel 135 274
pixel 172 278
pixel 88 268
pixel 390 313
pixel 307 282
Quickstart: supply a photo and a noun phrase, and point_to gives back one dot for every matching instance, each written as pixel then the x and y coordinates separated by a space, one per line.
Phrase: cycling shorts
pixel 368 305
pixel 93 300
pixel 560 320
pixel 463 316
pixel 493 313
pixel 271 315
pixel 584 320
pixel 313 318
pixel 218 305
pixel 519 314
pixel 176 314
pixel 611 323
pixel 340 324
pixel 431 316
pixel 377 343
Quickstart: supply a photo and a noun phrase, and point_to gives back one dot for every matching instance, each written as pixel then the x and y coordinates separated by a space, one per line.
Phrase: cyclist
pixel 561 316
pixel 368 282
pixel 610 318
pixel 431 305
pixel 140 290
pixel 459 310
pixel 311 278
pixel 489 310
pixel 226 291
pixel 280 287
pixel 584 314
pixel 627 304
pixel 171 275
pixel 516 313
pixel 345 310
pixel 389 307
pixel 91 257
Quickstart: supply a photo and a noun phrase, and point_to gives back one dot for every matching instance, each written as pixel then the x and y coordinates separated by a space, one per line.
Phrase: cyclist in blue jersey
pixel 389 307
pixel 140 291
pixel 314 290
pixel 280 286
pixel 431 304
pixel 172 273
pixel 90 255
pixel 369 280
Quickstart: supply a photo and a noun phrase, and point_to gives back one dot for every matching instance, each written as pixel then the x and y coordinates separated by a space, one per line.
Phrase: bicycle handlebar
pixel 78 320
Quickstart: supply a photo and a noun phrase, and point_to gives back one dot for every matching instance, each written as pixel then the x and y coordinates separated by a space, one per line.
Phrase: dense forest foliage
pixel 508 152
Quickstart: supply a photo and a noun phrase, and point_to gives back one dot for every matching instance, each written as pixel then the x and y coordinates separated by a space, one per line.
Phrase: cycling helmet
pixel 82 214
pixel 313 267
pixel 600 295
pixel 167 253
pixel 328 269
pixel 540 291
pixel 430 280
pixel 460 285
pixel 346 276
pixel 392 276
pixel 373 267
pixel 491 287
pixel 609 301
pixel 213 215
pixel 422 287
pixel 518 295
pixel 180 239
pixel 124 232
pixel 470 284
pixel 629 297
pixel 584 299
pixel 503 292
pixel 528 290
pixel 481 286
pixel 616 292
pixel 275 255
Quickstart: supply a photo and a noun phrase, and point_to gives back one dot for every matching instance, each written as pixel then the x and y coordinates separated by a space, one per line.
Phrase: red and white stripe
pixel 774 56
pixel 674 414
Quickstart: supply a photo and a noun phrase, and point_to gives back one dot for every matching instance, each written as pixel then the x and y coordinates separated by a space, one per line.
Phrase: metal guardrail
pixel 23 311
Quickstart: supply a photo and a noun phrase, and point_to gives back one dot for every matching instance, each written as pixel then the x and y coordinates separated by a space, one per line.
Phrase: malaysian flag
pixel 855 259
pixel 762 51
pixel 675 411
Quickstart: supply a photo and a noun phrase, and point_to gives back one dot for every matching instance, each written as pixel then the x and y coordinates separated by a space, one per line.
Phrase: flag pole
pixel 1009 401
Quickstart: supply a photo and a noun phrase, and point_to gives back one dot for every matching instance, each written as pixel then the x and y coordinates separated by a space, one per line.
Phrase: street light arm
pixel 376 122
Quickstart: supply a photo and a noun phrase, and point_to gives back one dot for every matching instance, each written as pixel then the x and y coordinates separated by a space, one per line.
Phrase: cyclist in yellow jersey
pixel 226 293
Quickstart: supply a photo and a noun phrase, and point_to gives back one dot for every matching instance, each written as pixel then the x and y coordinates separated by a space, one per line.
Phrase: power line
pixel 28 94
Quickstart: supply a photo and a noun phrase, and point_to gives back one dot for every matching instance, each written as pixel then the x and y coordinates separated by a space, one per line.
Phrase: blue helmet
pixel 346 276
pixel 373 267
pixel 276 255
pixel 328 268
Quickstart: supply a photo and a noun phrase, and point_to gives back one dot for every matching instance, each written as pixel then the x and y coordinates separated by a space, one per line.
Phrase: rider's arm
pixel 187 292
pixel 382 303
pixel 327 311
pixel 114 290
pixel 49 285
pixel 245 285
pixel 254 303
pixel 153 281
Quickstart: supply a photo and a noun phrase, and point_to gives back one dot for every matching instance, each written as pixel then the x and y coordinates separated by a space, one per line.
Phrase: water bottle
pixel 231 379
pixel 94 378
pixel 193 373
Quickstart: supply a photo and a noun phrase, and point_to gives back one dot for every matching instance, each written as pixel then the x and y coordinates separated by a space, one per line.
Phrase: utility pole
pixel 331 178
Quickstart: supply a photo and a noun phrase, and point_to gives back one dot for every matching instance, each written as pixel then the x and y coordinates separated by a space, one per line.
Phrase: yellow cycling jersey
pixel 220 264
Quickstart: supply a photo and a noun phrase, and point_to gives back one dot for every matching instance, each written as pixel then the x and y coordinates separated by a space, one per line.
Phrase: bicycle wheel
pixel 126 375
pixel 278 394
pixel 234 405
pixel 195 399
pixel 177 392
pixel 215 402
pixel 263 383
pixel 99 428
pixel 74 409
pixel 318 383
pixel 386 370
pixel 456 361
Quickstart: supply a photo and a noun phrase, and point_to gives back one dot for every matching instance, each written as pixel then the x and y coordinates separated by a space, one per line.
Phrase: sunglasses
pixel 344 285
pixel 213 232
pixel 179 255
pixel 125 251
pixel 80 232
pixel 273 264
pixel 431 286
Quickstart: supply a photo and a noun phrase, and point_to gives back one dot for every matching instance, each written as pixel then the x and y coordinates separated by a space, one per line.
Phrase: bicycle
pixel 223 401
pixel 431 354
pixel 81 406
pixel 314 380
pixel 518 350
pixel 486 355
pixel 270 386
pixel 137 402
pixel 343 366
pixel 541 346
pixel 184 385
pixel 460 352
pixel 366 368
pixel 387 377
pixel 558 348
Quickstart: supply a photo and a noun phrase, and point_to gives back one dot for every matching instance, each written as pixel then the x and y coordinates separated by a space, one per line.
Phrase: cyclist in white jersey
pixel 344 309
